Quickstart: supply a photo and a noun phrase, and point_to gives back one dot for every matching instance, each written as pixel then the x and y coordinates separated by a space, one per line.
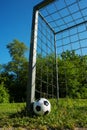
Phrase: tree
pixel 45 76
pixel 17 50
pixel 72 75
pixel 17 68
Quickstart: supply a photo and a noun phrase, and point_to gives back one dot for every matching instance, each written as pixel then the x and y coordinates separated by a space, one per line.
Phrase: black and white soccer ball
pixel 42 106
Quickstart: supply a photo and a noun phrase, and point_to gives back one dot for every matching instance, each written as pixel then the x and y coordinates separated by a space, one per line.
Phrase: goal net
pixel 58 53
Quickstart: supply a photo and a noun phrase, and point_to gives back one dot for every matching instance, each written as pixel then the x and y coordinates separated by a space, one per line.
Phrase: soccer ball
pixel 41 106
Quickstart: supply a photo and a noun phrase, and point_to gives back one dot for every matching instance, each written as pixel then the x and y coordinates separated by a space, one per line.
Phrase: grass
pixel 67 114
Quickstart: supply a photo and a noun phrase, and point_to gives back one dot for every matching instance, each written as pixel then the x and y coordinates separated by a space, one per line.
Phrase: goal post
pixel 32 61
pixel 32 54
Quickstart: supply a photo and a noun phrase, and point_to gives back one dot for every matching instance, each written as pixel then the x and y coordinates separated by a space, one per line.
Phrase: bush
pixel 4 96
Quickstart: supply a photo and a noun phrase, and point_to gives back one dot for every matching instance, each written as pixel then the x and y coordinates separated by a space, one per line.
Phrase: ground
pixel 68 114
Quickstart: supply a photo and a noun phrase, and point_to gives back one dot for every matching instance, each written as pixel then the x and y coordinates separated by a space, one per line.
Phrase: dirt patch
pixel 80 128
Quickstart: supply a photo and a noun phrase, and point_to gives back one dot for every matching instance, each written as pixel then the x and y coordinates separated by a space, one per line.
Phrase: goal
pixel 58 50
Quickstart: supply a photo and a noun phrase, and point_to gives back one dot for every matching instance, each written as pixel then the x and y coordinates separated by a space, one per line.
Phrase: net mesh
pixel 61 65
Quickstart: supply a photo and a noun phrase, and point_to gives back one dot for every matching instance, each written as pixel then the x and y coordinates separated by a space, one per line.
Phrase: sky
pixel 15 23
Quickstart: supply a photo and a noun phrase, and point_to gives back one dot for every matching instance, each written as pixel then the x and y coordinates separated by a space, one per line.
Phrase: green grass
pixel 67 114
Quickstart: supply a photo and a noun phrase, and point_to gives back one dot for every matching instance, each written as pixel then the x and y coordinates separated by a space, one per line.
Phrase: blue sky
pixel 16 20
pixel 15 23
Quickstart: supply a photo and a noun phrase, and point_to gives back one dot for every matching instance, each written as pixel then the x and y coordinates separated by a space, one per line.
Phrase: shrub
pixel 4 95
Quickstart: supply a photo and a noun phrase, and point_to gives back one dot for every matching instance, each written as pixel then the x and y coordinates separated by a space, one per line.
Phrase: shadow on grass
pixel 24 112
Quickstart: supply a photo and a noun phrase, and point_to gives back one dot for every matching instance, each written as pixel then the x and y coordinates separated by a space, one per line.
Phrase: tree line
pixel 72 73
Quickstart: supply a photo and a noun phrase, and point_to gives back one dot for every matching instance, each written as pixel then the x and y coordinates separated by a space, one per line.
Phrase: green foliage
pixel 45 69
pixel 16 71
pixel 17 52
pixel 4 96
pixel 72 73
